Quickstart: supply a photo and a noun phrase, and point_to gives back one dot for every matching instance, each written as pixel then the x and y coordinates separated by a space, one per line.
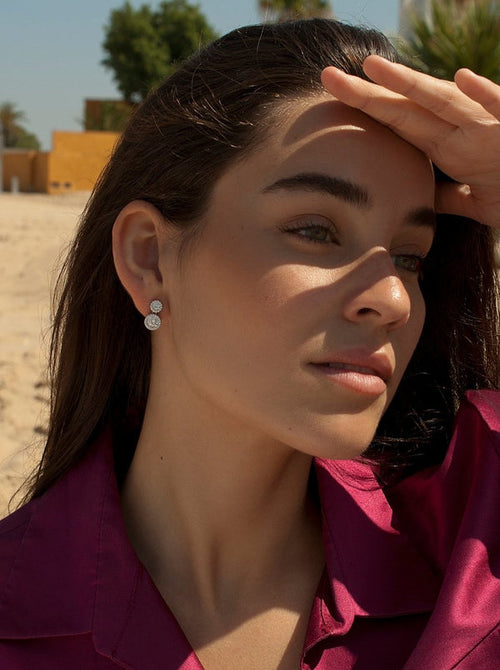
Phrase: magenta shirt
pixel 412 578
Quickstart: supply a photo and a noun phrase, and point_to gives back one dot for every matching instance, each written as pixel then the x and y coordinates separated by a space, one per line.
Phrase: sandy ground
pixel 34 232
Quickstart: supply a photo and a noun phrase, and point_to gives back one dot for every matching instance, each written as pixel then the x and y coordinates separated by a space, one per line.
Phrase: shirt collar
pixel 372 568
pixel 75 558
pixel 55 564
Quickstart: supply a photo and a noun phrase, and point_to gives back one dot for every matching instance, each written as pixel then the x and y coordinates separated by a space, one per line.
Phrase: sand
pixel 35 230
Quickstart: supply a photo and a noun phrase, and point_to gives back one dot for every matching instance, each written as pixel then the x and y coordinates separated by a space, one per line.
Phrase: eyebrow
pixel 354 194
pixel 422 216
pixel 348 191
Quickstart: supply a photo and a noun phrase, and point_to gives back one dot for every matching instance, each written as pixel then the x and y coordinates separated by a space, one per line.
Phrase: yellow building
pixel 73 164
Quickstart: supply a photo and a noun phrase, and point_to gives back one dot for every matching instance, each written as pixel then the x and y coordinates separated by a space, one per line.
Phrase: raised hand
pixel 457 124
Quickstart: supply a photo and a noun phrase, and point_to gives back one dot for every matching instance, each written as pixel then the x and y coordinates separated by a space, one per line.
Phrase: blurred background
pixel 52 50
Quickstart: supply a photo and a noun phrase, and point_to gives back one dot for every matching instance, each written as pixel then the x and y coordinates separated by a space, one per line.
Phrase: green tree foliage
pixel 145 45
pixel 108 115
pixel 457 33
pixel 27 140
pixel 285 10
pixel 14 134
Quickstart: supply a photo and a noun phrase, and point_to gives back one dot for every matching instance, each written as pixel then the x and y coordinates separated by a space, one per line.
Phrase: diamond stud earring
pixel 153 321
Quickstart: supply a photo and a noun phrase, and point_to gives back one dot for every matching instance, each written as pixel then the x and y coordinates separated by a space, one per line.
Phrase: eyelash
pixel 300 229
pixel 416 263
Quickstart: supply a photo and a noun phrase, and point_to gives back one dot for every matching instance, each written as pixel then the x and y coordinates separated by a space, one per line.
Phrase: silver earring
pixel 153 321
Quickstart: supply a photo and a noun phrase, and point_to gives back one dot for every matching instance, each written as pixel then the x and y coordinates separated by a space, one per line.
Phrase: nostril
pixel 364 310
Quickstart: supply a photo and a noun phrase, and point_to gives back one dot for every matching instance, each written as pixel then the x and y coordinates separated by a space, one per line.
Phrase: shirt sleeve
pixel 452 515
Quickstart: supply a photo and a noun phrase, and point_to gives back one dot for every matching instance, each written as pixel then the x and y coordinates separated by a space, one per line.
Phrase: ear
pixel 137 234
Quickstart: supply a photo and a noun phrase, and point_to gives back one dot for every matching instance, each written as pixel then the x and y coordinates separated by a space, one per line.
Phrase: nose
pixel 377 294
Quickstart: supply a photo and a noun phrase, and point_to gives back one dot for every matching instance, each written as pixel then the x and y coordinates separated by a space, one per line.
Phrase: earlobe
pixel 136 243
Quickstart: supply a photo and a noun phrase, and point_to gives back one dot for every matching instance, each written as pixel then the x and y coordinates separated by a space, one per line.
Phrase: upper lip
pixel 378 361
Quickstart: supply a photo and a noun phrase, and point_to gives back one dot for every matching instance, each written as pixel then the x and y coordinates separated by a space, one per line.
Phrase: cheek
pixel 406 339
pixel 224 316
pixel 411 333
pixel 417 319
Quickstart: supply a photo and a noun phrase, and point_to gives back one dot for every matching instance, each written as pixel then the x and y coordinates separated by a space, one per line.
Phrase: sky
pixel 50 51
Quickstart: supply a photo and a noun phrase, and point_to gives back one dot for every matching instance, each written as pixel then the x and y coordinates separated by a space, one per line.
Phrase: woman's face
pixel 298 306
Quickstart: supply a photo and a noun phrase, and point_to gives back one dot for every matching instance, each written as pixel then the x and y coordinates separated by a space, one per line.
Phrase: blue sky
pixel 50 51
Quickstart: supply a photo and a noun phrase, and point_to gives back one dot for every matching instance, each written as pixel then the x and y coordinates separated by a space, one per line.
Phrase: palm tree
pixel 10 118
pixel 12 132
pixel 455 34
pixel 284 10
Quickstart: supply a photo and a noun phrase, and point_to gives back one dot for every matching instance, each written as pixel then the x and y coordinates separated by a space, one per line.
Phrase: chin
pixel 348 439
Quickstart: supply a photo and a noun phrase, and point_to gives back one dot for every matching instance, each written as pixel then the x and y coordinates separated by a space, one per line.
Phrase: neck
pixel 215 511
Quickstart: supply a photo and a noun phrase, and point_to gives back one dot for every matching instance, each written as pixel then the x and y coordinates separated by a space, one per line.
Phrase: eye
pixel 319 233
pixel 408 262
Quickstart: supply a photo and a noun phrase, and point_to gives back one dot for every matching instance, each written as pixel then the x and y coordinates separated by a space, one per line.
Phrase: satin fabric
pixel 412 577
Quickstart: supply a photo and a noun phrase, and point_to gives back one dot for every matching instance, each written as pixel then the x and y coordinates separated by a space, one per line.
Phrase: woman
pixel 277 243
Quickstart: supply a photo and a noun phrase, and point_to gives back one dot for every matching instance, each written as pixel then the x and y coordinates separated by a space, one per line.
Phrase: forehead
pixel 323 135
pixel 333 133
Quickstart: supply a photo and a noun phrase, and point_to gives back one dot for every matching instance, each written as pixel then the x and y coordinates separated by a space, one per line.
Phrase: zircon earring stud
pixel 153 321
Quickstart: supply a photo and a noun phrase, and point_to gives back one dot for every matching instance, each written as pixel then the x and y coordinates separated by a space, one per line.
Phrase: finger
pixel 410 121
pixel 353 90
pixel 480 89
pixel 442 98
pixel 459 199
pixel 455 199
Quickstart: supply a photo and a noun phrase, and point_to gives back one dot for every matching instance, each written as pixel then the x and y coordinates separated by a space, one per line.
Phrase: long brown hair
pixel 216 107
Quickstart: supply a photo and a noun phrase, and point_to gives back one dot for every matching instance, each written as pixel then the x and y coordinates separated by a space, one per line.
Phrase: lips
pixel 377 364
pixel 352 368
pixel 361 373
